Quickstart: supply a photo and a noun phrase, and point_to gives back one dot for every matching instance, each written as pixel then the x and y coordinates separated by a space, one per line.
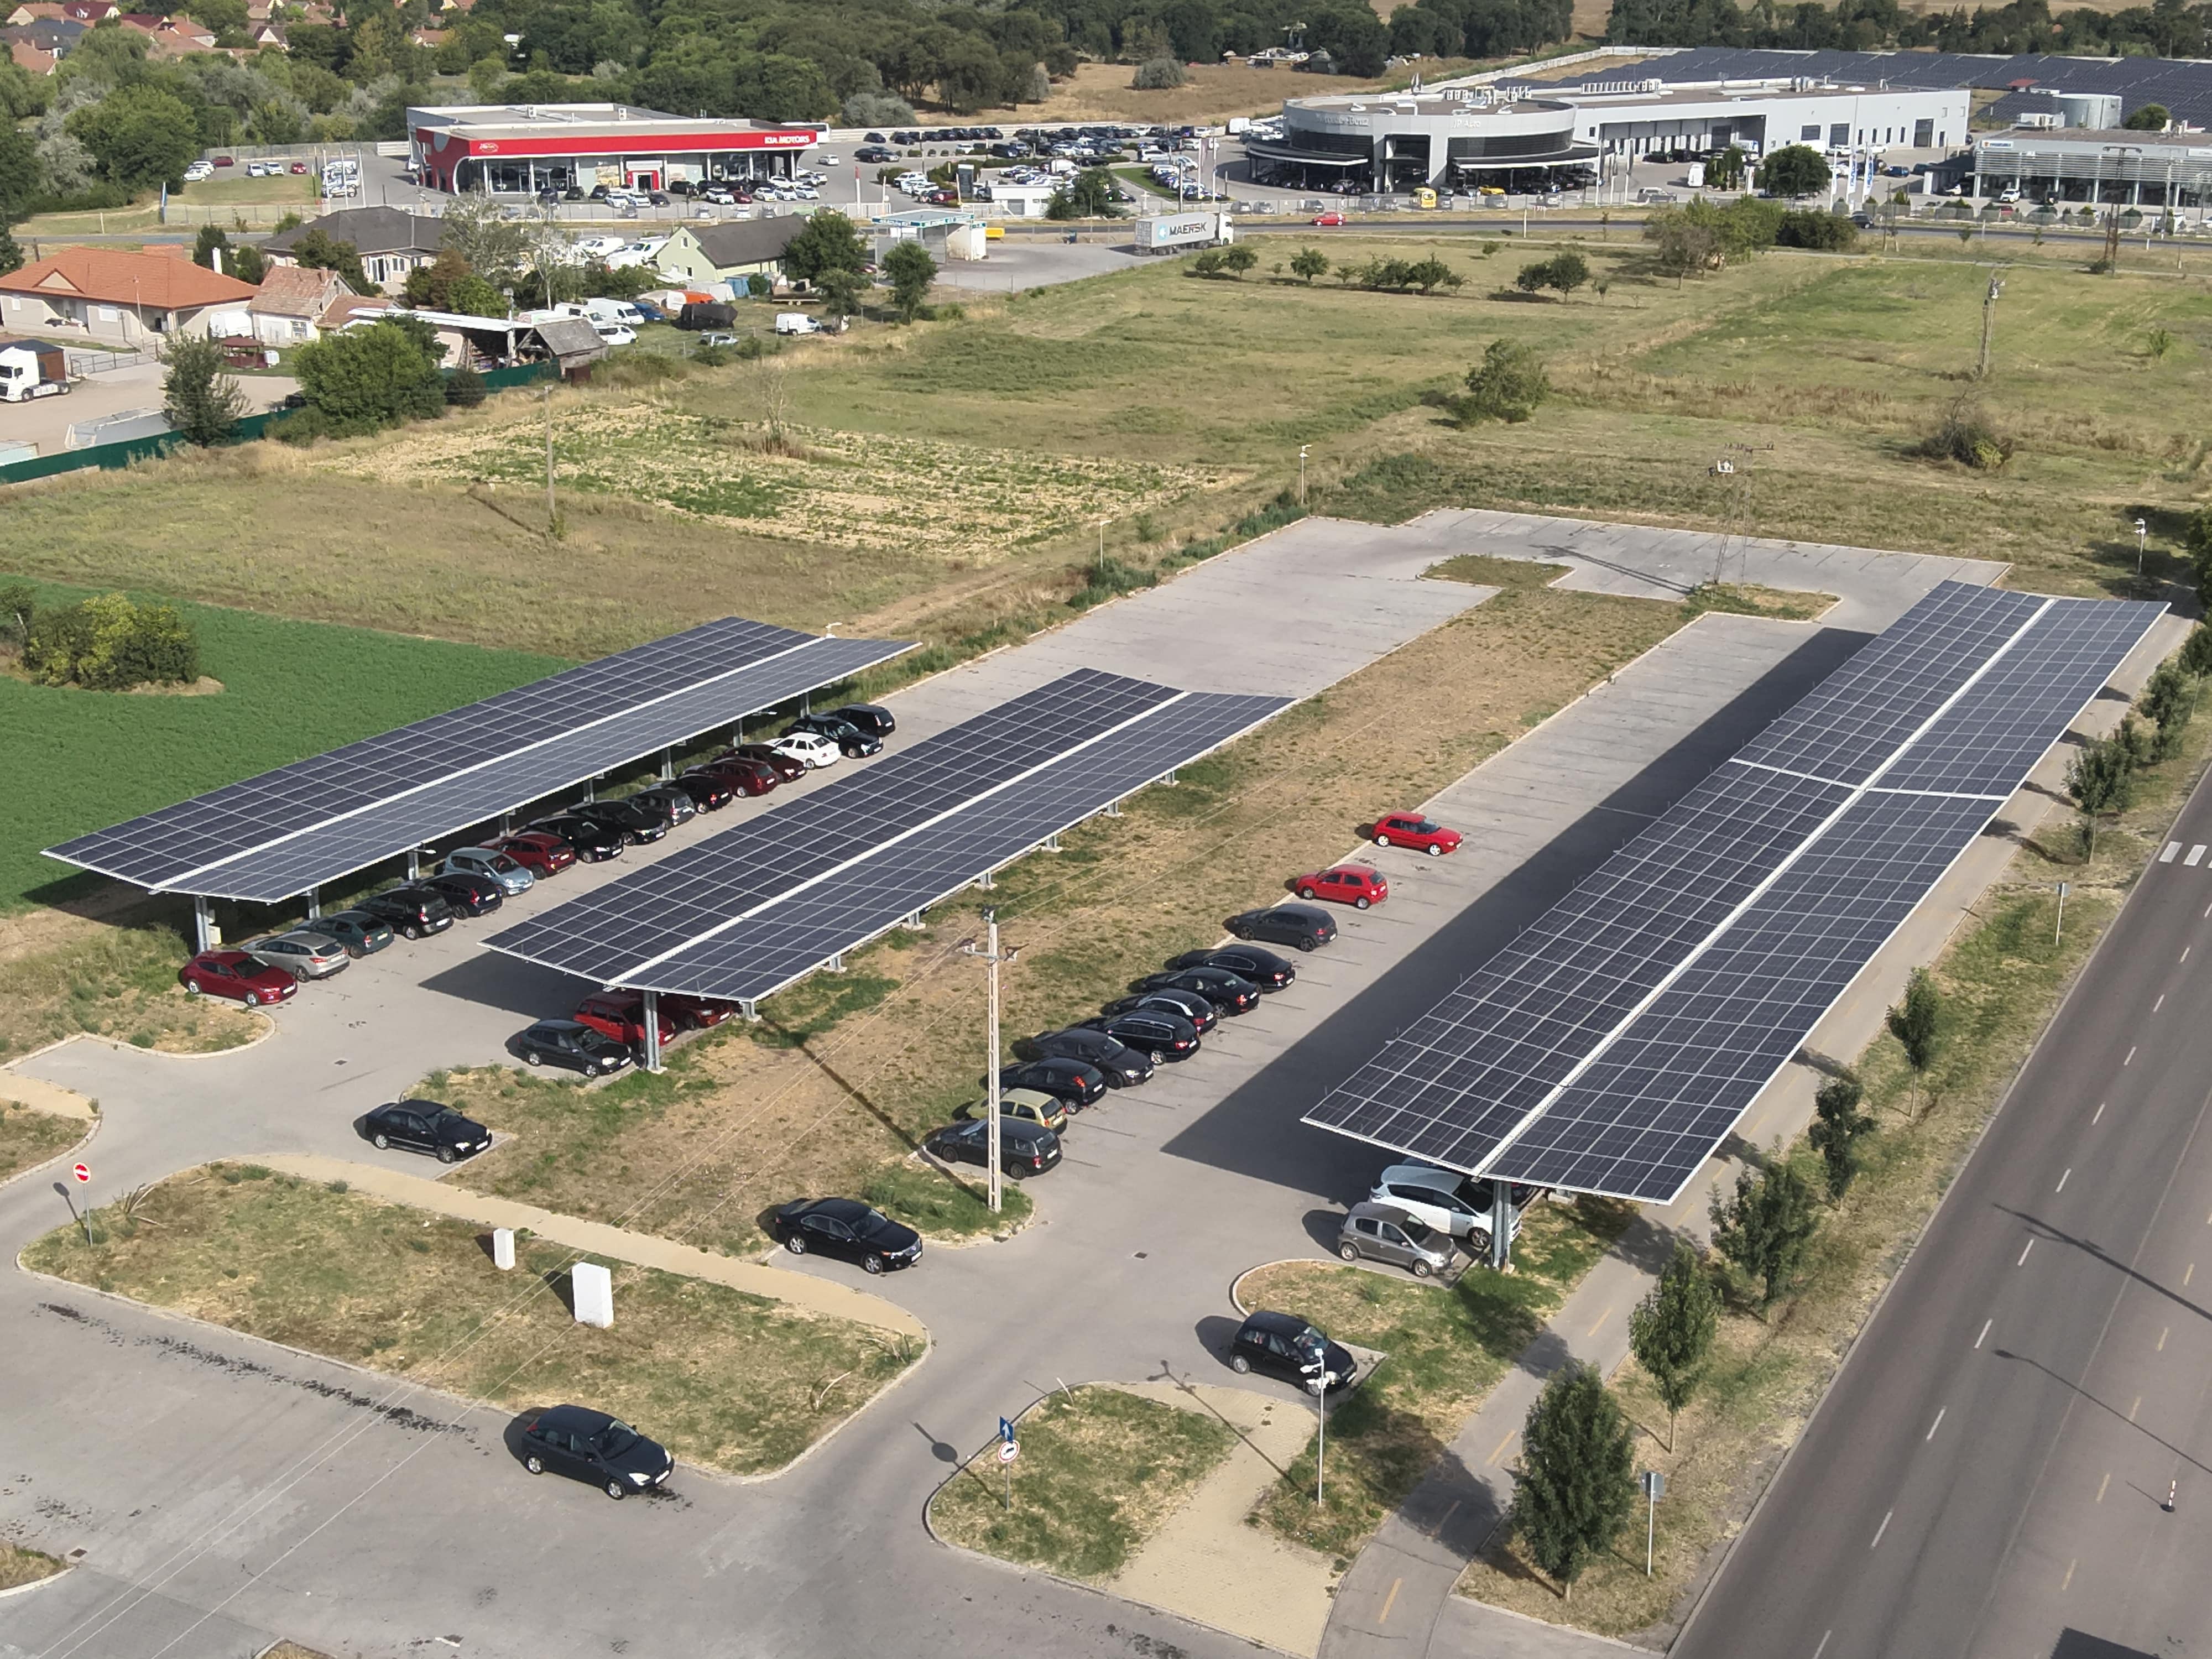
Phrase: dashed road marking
pixel 2101 1485
pixel 2189 1274
pixel 2194 854
pixel 1602 1318
pixel 2024 1250
pixel 1491 1462
pixel 1936 1424
pixel 1384 1616
pixel 2163 1334
pixel 2100 1112
pixel 2068 1578
pixel 2133 1409
pixel 2063 1180
pixel 2171 847
pixel 2160 1003
pixel 1984 1337
pixel 1880 1530
pixel 1823 1648
pixel 2130 1060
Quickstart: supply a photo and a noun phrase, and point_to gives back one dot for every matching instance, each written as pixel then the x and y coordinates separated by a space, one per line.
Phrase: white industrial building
pixel 2066 166
pixel 1638 120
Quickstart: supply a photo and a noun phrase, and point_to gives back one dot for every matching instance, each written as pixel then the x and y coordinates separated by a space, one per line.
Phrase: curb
pixel 68 1153
pixel 66 1569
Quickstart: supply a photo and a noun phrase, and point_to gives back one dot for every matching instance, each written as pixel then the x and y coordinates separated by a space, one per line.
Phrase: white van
pixel 798 322
pixel 620 312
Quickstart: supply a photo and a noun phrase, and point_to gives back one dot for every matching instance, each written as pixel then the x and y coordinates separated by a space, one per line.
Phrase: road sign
pixel 1005 1429
pixel 1655 1484
pixel 82 1171
pixel 1009 1450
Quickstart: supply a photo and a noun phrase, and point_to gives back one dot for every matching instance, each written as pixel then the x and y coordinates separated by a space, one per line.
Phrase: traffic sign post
pixel 82 1175
pixel 1654 1483
pixel 2060 929
pixel 1009 1449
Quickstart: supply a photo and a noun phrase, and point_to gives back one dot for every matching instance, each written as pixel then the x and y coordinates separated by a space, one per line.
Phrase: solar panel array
pixel 744 913
pixel 280 834
pixel 1614 1043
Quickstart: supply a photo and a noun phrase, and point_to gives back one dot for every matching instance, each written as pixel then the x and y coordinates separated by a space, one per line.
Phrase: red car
pixel 299 167
pixel 784 766
pixel 1356 885
pixel 621 1015
pixel 235 974
pixel 1412 830
pixel 225 161
pixel 1328 218
pixel 749 777
pixel 541 854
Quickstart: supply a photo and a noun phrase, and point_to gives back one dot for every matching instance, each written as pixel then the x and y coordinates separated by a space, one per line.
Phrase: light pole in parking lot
pixel 991 956
pixel 1302 473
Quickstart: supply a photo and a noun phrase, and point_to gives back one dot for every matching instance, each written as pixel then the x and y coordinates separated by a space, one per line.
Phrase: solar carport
pixel 745 913
pixel 1614 1044
pixel 289 832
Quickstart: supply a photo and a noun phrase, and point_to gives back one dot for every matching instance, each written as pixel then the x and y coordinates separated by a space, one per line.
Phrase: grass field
pixel 734 1381
pixel 28 1137
pixel 1098 1475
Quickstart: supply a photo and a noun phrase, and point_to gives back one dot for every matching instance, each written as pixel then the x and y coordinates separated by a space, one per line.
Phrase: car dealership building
pixel 519 149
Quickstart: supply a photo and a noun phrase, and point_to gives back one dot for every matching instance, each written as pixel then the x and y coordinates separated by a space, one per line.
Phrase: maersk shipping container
pixel 1168 233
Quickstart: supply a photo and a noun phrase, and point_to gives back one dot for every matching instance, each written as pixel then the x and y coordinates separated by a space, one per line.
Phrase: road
pixel 1989 1474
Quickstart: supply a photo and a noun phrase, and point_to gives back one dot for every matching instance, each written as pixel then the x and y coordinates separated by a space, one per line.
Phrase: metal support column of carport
pixel 649 1020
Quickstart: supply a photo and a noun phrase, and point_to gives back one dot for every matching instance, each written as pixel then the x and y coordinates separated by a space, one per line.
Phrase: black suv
pixel 851 742
pixel 1121 1064
pixel 1298 925
pixel 1024 1149
pixel 426 1125
pixel 1074 1083
pixel 634 823
pixel 847 1227
pixel 416 909
pixel 672 800
pixel 872 718
pixel 469 894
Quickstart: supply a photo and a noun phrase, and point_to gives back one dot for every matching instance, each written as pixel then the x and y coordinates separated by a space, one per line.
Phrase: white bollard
pixel 593 1288
pixel 502 1249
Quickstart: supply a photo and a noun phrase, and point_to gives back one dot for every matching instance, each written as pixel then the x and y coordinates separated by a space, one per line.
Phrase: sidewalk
pixel 820 1296
pixel 1390 1605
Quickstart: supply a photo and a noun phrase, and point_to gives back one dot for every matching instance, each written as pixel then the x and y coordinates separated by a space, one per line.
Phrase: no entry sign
pixel 82 1171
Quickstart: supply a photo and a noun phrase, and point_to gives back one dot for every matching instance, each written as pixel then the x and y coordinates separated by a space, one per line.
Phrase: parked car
pixel 847 1227
pixel 1356 885
pixel 1076 1082
pixel 590 1446
pixel 744 777
pixel 1118 1063
pixel 1196 1011
pixel 672 801
pixel 1382 1232
pixel 490 863
pixel 1161 1033
pixel 1030 1105
pixel 1286 1346
pixel 361 933
pixel 591 842
pixel 872 718
pixel 621 1015
pixel 789 768
pixel 1331 218
pixel 1263 968
pixel 303 953
pixel 706 792
pixel 1455 1204
pixel 426 1125
pixel 566 1043
pixel 851 742
pixel 811 747
pixel 1232 993
pixel 634 824
pixel 470 894
pixel 693 1013
pixel 416 909
pixel 237 976
pixel 1297 925
pixel 537 851
pixel 1411 829
pixel 1024 1148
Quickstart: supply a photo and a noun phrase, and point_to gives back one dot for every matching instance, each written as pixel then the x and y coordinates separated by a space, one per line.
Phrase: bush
pixel 105 643
pixel 1508 385
pixel 379 376
pixel 711 356
pixel 1830 232
pixel 878 109
pixel 1158 75
pixel 464 387
pixel 1565 272
pixel 1967 437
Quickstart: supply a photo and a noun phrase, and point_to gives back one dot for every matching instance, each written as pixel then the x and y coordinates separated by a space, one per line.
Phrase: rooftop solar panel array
pixel 744 913
pixel 1612 1046
pixel 283 832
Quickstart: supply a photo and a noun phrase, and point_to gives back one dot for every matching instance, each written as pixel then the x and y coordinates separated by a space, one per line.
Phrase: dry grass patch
pixel 731 1380
pixel 72 975
pixel 1099 1472
pixel 28 1138
pixel 20 1566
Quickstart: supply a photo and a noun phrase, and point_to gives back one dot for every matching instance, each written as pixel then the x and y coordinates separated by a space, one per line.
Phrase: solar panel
pixel 744 912
pixel 1614 1043
pixel 277 835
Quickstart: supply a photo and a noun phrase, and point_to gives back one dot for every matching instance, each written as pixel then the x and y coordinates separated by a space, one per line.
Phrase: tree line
pixel 2166 28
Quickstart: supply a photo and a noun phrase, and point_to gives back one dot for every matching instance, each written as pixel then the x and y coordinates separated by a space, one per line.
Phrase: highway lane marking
pixel 2160 1003
pixel 1984 1337
pixel 2171 847
pixel 1491 1462
pixel 2208 911
pixel 1384 1616
pixel 2194 854
pixel 2024 1250
pixel 1823 1648
pixel 2188 1276
pixel 2063 1180
pixel 2100 1112
pixel 2068 1578
pixel 2101 1485
pixel 1880 1530
pixel 2184 956
pixel 2130 1060
pixel 1936 1424
pixel 1602 1318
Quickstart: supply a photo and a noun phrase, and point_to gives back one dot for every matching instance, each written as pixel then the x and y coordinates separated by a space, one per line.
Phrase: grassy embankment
pixel 724 1379
pixel 29 1137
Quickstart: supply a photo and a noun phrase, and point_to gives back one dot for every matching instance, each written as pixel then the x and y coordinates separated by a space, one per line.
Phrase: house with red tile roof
pixel 28 58
pixel 32 12
pixel 293 300
pixel 90 11
pixel 113 294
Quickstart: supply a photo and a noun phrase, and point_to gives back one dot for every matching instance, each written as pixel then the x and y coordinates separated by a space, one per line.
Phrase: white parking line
pixel 1880 1530
pixel 2024 1250
pixel 1984 1337
pixel 1936 1424
pixel 2063 1180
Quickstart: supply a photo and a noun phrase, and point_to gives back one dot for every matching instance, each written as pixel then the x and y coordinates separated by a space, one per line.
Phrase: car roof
pixel 1422 1174
pixel 574 1417
pixel 838 1209
pixel 1029 1097
pixel 561 1025
pixel 1368 1209
pixel 1263 1319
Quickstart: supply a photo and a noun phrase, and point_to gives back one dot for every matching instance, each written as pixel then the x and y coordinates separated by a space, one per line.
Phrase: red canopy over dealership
pixel 520 149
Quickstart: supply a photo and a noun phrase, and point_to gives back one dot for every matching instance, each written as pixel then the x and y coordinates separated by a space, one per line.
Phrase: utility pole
pixel 1989 324
pixel 552 513
pixel 992 956
pixel 1302 474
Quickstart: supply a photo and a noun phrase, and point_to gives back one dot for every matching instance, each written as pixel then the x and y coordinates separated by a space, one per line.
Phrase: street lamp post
pixel 1302 473
pixel 992 956
pixel 1316 1376
pixel 2142 538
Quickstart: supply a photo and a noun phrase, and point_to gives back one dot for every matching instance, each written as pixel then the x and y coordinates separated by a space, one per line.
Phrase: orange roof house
pixel 113 293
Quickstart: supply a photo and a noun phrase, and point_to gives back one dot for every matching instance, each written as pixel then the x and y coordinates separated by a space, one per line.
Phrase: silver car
pixel 1455 1204
pixel 303 953
pixel 1382 1233
pixel 490 863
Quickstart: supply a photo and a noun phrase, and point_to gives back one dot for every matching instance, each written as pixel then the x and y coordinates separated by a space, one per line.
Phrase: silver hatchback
pixel 1383 1234
pixel 303 953
pixel 490 863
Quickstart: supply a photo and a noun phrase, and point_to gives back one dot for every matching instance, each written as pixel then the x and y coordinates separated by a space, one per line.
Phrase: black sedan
pixel 416 909
pixel 1121 1063
pixel 1297 925
pixel 872 718
pixel 634 824
pixel 470 894
pixel 589 1445
pixel 426 1125
pixel 1074 1083
pixel 1162 1033
pixel 707 793
pixel 851 742
pixel 1263 968
pixel 361 933
pixel 595 843
pixel 1024 1149
pixel 1232 993
pixel 847 1227
pixel 1188 1005
pixel 672 800
pixel 566 1042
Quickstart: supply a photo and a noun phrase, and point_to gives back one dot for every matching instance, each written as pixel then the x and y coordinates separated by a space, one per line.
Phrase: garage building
pixel 520 149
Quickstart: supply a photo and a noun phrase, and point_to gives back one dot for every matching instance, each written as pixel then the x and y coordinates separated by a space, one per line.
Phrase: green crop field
pixel 80 760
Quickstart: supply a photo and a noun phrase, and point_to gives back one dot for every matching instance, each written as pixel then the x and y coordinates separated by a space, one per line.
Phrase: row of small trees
pixel 104 643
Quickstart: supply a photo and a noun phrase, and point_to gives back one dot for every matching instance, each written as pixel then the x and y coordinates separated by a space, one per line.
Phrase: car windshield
pixel 1417 1232
pixel 598 1041
pixel 1425 828
pixel 617 1438
pixel 504 864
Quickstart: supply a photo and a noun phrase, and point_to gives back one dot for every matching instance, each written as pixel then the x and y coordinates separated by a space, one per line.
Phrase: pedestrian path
pixel 43 1096
pixel 1206 1563
pixel 820 1296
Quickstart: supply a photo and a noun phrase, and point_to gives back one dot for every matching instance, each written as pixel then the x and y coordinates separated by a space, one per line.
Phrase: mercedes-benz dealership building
pixel 1451 140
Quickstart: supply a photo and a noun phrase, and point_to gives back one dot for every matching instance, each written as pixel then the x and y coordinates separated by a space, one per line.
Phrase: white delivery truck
pixel 1172 233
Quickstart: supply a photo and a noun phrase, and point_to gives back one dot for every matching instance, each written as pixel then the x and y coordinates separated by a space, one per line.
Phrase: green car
pixel 1030 1105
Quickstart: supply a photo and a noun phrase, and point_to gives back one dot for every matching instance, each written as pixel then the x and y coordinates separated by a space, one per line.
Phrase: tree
pixel 107 643
pixel 1681 246
pixel 1917 1024
pixel 910 271
pixel 1432 273
pixel 828 243
pixel 212 240
pixel 1092 194
pixel 1207 263
pixel 1766 1227
pixel 1158 75
pixel 2169 697
pixel 314 249
pixel 2148 118
pixel 22 173
pixel 1236 259
pixel 11 255
pixel 1671 1331
pixel 1565 272
pixel 2194 656
pixel 2101 780
pixel 1837 1129
pixel 202 402
pixel 1725 171
pixel 492 245
pixel 363 378
pixel 841 291
pixel 19 609
pixel 1310 263
pixel 1508 385
pixel 249 263
pixel 1576 1488
pixel 1795 170
pixel 464 387
pixel 140 136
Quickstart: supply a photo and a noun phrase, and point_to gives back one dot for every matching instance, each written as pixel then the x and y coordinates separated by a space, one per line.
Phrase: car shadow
pixel 1255 1131
pixel 1217 1334
pixel 1324 1226
pixel 512 1435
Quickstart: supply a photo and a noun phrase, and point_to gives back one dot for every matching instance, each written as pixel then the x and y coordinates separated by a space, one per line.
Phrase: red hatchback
pixel 1328 218
pixel 1356 885
pixel 1412 830
pixel 749 777
pixel 235 974
pixel 621 1015
pixel 537 852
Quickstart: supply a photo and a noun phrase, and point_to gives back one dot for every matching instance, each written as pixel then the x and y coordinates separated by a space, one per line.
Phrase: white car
pixel 827 160
pixel 810 747
pixel 613 333
pixel 198 170
pixel 1455 1204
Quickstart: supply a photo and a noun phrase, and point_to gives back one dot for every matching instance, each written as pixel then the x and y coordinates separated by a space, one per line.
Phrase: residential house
pixel 53 35
pixel 351 308
pixel 28 58
pixel 292 303
pixel 730 250
pixel 390 242
pixel 267 34
pixel 89 12
pixel 34 11
pixel 112 294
